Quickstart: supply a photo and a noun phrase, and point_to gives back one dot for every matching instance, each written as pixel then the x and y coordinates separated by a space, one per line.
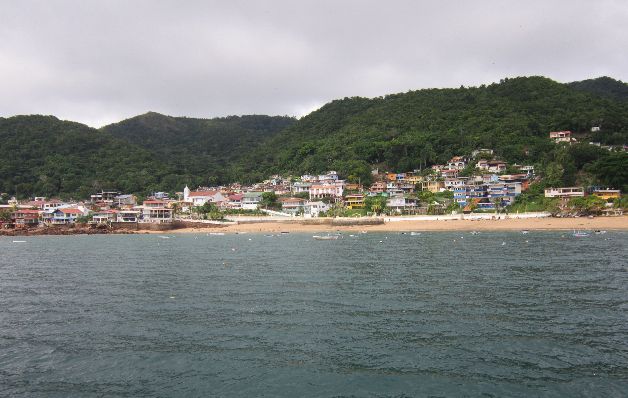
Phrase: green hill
pixel 416 129
pixel 205 148
pixel 399 132
pixel 604 86
pixel 42 155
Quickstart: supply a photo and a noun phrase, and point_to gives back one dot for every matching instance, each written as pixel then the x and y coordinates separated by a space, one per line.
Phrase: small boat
pixel 474 232
pixel 19 241
pixel 284 232
pixel 599 232
pixel 580 234
pixel 525 232
pixel 164 237
pixel 415 233
pixel 216 233
pixel 326 237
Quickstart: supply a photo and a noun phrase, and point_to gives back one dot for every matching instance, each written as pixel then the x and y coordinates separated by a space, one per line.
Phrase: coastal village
pixel 479 183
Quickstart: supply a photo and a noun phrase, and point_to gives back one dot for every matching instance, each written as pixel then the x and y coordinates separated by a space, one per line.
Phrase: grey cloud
pixel 99 62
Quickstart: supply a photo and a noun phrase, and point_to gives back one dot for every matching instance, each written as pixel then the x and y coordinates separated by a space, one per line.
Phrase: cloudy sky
pixel 98 62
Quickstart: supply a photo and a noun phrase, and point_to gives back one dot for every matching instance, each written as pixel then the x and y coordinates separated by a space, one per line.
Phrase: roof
pixel 70 211
pixel 203 193
pixel 237 196
pixel 27 211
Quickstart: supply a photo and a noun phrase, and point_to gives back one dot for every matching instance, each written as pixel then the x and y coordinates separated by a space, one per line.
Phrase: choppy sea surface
pixel 372 315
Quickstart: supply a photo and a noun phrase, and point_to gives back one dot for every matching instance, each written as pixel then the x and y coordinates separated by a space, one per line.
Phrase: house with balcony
pixel 62 216
pixel 314 208
pixel 104 217
pixel 504 193
pixel 156 211
pixel 432 185
pixel 300 186
pixel 24 218
pixel 250 200
pixel 401 205
pixel 319 191
pixel 128 216
pixel 564 192
pixel 377 188
pixel 292 206
pixel 354 201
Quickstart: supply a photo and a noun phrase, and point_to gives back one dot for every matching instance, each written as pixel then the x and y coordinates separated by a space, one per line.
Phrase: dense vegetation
pixel 202 148
pixel 45 156
pixel 41 155
pixel 416 129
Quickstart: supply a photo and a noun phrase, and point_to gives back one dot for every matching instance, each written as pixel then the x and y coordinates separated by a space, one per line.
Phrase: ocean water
pixel 374 315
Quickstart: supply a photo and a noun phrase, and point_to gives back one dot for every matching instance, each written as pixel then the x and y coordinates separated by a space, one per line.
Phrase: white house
pixel 199 198
pixel 250 200
pixel 314 208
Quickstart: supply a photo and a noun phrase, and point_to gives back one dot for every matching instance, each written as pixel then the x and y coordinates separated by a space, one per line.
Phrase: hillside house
pixel 561 136
pixel 565 192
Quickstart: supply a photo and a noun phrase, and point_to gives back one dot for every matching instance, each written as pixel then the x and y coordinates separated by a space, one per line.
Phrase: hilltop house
pixel 561 136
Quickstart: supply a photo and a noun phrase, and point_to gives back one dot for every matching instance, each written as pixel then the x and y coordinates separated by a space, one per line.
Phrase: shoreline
pixel 518 224
pixel 619 223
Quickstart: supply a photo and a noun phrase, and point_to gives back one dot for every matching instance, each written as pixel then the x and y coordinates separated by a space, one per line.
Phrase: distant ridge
pixel 604 86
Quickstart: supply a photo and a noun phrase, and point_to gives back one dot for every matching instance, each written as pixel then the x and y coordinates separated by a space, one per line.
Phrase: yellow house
pixel 607 194
pixel 354 201
pixel 432 186
pixel 413 179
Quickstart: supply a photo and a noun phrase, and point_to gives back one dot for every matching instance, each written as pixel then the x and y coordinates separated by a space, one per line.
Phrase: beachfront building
pixel 104 217
pixel 128 216
pixel 564 193
pixel 250 200
pixel 292 206
pixel 314 208
pixel 66 215
pixel 607 194
pixel 26 218
pixel 401 205
pixel 354 201
pixel 504 193
pixel 156 211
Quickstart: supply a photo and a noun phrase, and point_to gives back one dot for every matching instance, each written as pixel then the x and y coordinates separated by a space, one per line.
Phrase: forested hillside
pixel 42 155
pixel 416 129
pixel 399 132
pixel 199 147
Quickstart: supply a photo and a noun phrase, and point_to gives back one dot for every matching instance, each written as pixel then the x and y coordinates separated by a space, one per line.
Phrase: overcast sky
pixel 98 62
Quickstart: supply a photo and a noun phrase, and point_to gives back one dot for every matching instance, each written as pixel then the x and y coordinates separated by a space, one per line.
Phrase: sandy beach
pixel 598 223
